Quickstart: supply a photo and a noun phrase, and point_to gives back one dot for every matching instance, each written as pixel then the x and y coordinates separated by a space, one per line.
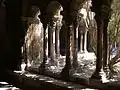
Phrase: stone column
pixel 85 41
pixel 102 23
pixel 51 27
pixel 44 48
pixel 75 61
pixel 42 66
pixel 81 42
pixel 82 31
pixel 105 46
pixel 97 72
pixel 25 55
pixel 57 37
pixel 14 24
pixel 57 42
pixel 106 16
pixel 49 45
pixel 66 70
pixel 53 12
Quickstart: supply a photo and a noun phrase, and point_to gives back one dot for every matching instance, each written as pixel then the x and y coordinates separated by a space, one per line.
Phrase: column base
pixel 95 78
pixel 81 51
pixel 42 68
pixel 65 74
pixel 85 51
pixel 53 62
pixel 99 77
pixel 107 71
pixel 75 64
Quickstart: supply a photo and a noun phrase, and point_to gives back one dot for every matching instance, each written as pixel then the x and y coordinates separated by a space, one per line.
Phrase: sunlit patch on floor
pixel 49 81
pixel 6 86
pixel 41 79
pixel 31 75
pixel 3 83
pixel 87 89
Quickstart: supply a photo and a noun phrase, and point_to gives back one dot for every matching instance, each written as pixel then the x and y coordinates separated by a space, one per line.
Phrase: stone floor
pixel 87 67
pixel 6 86
pixel 36 80
pixel 85 70
pixel 87 63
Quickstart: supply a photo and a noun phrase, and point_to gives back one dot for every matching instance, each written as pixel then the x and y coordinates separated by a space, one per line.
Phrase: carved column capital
pixel 105 11
pixel 3 3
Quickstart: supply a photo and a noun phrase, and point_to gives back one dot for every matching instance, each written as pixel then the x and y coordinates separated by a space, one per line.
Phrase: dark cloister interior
pixel 59 44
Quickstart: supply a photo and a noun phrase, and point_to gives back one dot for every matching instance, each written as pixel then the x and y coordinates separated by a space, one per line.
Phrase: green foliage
pixel 114 36
pixel 114 24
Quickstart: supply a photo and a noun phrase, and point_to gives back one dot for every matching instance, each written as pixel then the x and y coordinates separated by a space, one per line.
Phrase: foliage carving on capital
pixel 105 11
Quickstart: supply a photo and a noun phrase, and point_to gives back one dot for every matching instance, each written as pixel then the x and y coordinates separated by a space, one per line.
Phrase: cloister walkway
pixel 29 81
